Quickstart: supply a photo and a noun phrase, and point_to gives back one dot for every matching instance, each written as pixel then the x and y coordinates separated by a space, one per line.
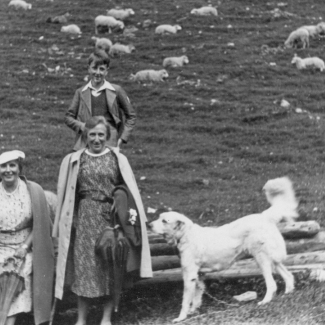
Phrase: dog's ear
pixel 179 224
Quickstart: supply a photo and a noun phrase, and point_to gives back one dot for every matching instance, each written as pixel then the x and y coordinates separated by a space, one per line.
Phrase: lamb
pixel 102 43
pixel 304 63
pixel 118 48
pixel 175 61
pixel 321 28
pixel 63 19
pixel 109 22
pixel 150 75
pixel 121 14
pixel 72 29
pixel 167 29
pixel 20 4
pixel 301 34
pixel 205 11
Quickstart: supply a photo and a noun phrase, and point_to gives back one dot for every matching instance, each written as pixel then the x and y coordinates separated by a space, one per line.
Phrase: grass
pixel 205 146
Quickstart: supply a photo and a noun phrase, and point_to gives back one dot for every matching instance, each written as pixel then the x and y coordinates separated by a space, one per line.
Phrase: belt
pixel 95 196
pixel 11 231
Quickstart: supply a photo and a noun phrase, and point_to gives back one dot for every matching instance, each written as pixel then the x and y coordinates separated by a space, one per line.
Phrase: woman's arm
pixel 22 250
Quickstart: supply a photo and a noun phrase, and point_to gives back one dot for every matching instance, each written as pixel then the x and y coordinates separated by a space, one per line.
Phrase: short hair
pixel 99 57
pixel 93 122
pixel 20 165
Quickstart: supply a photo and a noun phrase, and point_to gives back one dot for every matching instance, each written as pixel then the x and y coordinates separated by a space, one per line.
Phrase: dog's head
pixel 171 225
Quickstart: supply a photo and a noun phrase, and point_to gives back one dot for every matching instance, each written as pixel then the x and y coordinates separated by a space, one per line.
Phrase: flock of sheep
pixel 302 35
pixel 113 21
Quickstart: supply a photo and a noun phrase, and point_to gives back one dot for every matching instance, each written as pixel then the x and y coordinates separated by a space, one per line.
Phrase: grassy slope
pixel 181 139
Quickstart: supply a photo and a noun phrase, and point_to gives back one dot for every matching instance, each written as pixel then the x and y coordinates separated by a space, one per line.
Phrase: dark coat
pixel 119 106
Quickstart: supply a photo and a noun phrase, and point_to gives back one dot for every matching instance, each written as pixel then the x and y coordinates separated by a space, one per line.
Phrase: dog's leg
pixel 197 299
pixel 287 277
pixel 190 278
pixel 265 264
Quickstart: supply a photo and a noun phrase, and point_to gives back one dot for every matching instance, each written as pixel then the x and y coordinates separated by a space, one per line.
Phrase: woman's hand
pixel 20 252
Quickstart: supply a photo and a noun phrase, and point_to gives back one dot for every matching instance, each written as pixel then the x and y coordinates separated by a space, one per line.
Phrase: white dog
pixel 206 249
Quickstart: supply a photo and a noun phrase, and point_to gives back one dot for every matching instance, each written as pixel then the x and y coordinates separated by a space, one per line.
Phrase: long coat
pixel 118 105
pixel 43 254
pixel 67 184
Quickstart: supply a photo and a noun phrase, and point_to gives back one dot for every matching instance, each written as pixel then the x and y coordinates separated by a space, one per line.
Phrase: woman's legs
pixel 83 306
pixel 107 313
pixel 11 320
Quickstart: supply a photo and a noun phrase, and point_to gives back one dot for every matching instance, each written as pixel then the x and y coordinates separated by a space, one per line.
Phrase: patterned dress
pixel 97 172
pixel 15 207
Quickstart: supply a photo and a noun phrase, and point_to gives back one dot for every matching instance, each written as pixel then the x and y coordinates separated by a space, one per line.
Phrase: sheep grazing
pixel 71 29
pixel 312 30
pixel 118 48
pixel 150 75
pixel 300 34
pixel 175 61
pixel 63 19
pixel 20 4
pixel 102 43
pixel 205 11
pixel 121 14
pixel 308 62
pixel 109 22
pixel 167 29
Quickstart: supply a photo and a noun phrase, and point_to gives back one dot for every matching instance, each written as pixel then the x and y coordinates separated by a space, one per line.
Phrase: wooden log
pixel 305 229
pixel 294 230
pixel 232 273
pixel 163 249
pixel 165 262
pixel 171 262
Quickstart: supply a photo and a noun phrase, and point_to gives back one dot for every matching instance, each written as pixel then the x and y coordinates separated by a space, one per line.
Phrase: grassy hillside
pixel 208 144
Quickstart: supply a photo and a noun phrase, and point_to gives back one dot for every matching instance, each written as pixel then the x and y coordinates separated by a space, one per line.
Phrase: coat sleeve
pixel 61 188
pixel 71 115
pixel 129 113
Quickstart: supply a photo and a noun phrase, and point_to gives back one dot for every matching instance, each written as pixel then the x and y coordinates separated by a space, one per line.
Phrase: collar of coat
pixel 106 85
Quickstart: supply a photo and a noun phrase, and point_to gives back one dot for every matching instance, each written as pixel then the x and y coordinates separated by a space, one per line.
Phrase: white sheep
pixel 312 30
pixel 102 43
pixel 321 28
pixel 175 61
pixel 308 62
pixel 63 19
pixel 120 14
pixel 118 48
pixel 150 75
pixel 301 34
pixel 109 22
pixel 20 4
pixel 205 11
pixel 167 29
pixel 71 29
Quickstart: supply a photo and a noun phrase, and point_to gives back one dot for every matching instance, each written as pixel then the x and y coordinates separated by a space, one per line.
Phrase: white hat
pixel 11 155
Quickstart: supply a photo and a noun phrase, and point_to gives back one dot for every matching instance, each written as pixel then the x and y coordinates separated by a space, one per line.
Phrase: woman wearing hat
pixel 25 233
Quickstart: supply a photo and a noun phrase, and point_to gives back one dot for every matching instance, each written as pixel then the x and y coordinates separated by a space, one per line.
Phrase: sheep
pixel 175 61
pixel 304 63
pixel 150 75
pixel 167 29
pixel 63 19
pixel 120 14
pixel 118 48
pixel 109 22
pixel 20 4
pixel 321 28
pixel 102 43
pixel 312 30
pixel 72 29
pixel 205 11
pixel 301 34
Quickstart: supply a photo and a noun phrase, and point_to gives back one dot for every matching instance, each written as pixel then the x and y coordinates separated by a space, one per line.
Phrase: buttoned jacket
pixel 119 107
pixel 65 209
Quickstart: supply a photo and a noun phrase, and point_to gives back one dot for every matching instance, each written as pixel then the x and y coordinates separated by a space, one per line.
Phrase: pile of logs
pixel 305 243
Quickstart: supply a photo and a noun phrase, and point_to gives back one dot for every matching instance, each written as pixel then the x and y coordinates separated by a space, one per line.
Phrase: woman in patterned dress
pixel 85 189
pixel 17 237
